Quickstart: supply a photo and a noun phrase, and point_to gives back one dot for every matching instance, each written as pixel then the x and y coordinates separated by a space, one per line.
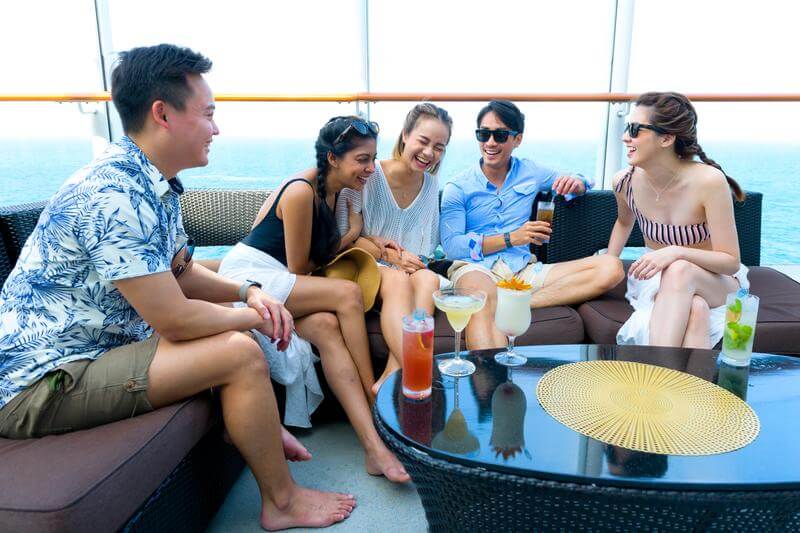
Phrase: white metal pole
pixel 111 130
pixel 363 108
pixel 609 159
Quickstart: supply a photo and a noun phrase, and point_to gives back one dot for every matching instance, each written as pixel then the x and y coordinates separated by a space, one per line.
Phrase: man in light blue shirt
pixel 485 227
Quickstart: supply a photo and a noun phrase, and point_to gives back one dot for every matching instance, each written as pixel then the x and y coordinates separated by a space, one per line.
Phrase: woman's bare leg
pixel 397 298
pixel 424 283
pixel 680 282
pixel 699 325
pixel 322 330
pixel 343 298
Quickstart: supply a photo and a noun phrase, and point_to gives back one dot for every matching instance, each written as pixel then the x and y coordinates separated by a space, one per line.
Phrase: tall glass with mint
pixel 741 311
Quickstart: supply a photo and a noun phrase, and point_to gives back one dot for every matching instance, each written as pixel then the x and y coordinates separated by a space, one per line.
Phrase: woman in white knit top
pixel 400 209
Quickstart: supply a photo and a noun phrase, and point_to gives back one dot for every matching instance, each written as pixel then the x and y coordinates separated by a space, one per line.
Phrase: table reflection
pixel 456 436
pixel 508 419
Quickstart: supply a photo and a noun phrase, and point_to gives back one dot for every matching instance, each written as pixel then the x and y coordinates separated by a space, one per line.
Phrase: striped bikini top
pixel 667 234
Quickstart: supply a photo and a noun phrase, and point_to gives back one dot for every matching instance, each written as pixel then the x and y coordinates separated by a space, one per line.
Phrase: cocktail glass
pixel 456 436
pixel 417 355
pixel 741 311
pixel 459 304
pixel 512 317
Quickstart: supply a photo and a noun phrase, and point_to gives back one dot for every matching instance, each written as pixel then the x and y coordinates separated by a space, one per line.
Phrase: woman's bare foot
pixel 391 367
pixel 292 449
pixel 308 508
pixel 382 462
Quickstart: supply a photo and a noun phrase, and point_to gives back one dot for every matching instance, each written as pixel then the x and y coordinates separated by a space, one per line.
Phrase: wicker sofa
pixel 170 469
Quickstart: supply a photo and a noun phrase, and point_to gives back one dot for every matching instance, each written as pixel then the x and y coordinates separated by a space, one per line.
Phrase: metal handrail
pixel 414 97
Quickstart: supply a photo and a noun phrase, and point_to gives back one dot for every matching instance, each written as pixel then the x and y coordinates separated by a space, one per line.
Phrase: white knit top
pixel 415 228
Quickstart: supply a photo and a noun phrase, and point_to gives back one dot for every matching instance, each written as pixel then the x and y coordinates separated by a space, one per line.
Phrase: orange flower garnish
pixel 514 284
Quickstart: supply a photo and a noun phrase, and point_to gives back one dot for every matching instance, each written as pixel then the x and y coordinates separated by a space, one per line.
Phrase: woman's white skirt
pixel 641 295
pixel 293 368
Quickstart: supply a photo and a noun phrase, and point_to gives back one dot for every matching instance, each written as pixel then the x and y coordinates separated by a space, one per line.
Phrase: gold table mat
pixel 647 408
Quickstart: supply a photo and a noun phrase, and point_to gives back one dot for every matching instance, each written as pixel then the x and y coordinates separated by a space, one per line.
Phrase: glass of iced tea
pixel 545 209
pixel 417 355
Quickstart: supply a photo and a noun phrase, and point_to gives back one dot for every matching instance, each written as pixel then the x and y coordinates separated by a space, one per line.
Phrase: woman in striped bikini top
pixel 696 261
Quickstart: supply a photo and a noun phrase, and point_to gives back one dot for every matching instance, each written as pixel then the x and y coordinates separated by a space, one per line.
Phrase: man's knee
pixel 245 354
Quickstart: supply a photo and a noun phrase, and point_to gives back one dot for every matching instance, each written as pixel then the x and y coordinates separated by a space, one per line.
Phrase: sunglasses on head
pixel 181 259
pixel 501 136
pixel 633 129
pixel 361 126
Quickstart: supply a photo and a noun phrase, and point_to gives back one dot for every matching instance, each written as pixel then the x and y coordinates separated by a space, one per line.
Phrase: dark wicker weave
pixel 219 217
pixel 461 498
pixel 577 235
pixel 16 223
pixel 190 496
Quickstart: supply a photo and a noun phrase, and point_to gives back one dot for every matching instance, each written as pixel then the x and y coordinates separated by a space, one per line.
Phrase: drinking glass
pixel 741 311
pixel 417 355
pixel 544 211
pixel 512 317
pixel 459 305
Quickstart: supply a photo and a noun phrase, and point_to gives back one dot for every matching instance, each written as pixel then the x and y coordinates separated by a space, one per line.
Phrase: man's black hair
pixel 507 112
pixel 146 74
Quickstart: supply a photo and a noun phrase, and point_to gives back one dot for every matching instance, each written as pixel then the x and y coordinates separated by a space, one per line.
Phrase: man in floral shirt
pixel 105 316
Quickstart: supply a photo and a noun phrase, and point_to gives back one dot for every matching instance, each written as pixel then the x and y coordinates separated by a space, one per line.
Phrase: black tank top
pixel 270 237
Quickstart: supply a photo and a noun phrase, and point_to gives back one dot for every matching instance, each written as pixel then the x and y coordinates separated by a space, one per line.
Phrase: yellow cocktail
pixel 459 305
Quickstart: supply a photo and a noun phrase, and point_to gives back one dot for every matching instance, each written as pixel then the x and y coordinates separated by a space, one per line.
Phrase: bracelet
pixel 507 238
pixel 245 286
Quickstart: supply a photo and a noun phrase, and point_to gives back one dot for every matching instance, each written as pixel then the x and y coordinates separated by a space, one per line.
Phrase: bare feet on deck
pixel 292 449
pixel 308 508
pixel 382 462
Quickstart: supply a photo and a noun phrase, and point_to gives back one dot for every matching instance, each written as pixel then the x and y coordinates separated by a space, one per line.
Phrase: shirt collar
pixel 160 183
pixel 512 169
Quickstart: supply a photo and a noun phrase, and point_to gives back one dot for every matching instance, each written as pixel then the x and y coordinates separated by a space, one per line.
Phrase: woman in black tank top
pixel 298 228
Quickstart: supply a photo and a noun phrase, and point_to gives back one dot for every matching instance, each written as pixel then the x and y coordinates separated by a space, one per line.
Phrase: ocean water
pixel 32 170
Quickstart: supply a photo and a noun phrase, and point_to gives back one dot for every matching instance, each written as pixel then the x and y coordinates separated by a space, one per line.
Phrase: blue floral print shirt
pixel 114 219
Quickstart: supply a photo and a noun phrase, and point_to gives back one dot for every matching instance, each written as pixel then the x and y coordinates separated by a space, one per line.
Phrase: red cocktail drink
pixel 417 356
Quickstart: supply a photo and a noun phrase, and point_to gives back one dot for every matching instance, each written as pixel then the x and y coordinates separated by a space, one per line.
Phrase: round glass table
pixel 485 455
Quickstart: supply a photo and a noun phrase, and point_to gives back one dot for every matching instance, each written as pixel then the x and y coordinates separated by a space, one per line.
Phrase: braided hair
pixel 675 114
pixel 325 234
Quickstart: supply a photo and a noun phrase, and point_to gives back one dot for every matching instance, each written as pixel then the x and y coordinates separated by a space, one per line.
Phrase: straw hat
pixel 356 264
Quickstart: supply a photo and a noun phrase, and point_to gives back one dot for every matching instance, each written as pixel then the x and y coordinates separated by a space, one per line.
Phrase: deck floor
pixel 338 464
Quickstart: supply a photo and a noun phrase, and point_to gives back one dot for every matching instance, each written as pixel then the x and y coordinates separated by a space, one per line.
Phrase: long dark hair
pixel 675 114
pixel 325 234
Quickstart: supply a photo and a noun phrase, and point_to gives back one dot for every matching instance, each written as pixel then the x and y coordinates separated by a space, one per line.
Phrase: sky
pixel 416 46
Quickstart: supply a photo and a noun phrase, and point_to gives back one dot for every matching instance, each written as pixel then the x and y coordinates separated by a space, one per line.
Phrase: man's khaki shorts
pixel 534 273
pixel 83 394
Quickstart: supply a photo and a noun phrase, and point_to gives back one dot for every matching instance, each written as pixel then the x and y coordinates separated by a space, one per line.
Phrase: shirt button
pixel 129 385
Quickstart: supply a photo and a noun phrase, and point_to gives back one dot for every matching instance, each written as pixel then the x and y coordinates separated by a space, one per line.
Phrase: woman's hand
pixel 384 244
pixel 654 262
pixel 354 220
pixel 408 262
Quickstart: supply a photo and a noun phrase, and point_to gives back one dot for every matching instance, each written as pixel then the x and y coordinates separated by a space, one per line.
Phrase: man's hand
pixel 278 322
pixel 654 262
pixel 533 231
pixel 568 185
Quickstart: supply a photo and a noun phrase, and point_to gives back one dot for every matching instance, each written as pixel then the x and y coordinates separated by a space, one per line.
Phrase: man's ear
pixel 332 160
pixel 159 113
pixel 517 140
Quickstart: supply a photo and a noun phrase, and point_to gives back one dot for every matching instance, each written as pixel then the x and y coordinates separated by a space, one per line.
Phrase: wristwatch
pixel 507 238
pixel 246 285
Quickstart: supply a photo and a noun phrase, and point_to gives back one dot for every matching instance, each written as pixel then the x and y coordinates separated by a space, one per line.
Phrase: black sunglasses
pixel 361 126
pixel 633 129
pixel 180 261
pixel 501 136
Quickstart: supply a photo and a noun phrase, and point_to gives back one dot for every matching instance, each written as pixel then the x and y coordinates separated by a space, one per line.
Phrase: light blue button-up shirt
pixel 116 218
pixel 473 207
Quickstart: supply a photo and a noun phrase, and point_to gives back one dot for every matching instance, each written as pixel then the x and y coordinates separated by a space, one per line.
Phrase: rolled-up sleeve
pixel 457 243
